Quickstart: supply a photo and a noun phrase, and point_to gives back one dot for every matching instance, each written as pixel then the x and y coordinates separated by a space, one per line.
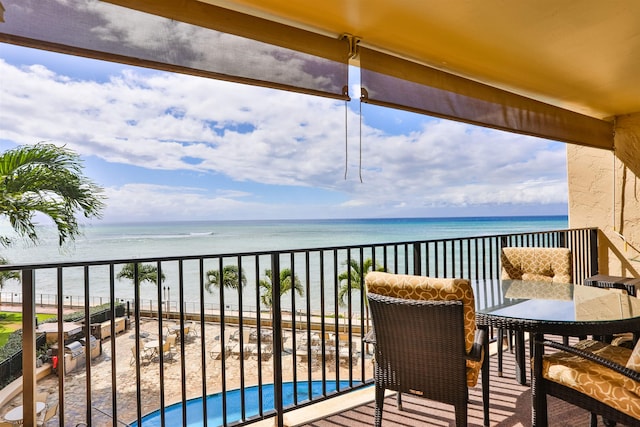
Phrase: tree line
pixel 231 278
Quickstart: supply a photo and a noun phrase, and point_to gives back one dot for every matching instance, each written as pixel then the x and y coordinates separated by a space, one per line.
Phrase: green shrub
pixel 98 314
pixel 13 345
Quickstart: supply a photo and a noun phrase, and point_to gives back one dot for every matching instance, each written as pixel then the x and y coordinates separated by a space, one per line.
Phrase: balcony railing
pixel 244 340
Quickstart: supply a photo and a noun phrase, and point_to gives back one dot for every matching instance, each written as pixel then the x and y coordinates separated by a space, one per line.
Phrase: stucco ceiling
pixel 582 55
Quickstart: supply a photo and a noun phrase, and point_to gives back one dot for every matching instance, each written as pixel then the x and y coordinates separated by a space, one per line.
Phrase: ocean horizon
pixel 122 241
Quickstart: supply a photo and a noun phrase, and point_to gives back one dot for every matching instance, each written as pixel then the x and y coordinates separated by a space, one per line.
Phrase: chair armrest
pixel 623 370
pixel 478 345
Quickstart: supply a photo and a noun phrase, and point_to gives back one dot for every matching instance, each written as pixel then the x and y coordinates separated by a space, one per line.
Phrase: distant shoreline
pixel 150 241
pixel 558 217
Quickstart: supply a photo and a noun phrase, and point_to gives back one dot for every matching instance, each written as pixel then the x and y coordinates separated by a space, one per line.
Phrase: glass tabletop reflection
pixel 555 302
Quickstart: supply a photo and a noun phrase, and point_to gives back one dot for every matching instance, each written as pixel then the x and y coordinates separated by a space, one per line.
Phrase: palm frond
pixel 48 179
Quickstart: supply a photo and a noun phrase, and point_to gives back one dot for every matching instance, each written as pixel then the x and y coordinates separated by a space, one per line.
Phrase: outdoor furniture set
pixel 44 411
pixel 430 336
pixel 151 350
pixel 231 344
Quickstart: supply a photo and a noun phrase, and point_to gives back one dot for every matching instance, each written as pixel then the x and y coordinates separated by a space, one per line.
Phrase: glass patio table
pixel 541 308
pixel 16 415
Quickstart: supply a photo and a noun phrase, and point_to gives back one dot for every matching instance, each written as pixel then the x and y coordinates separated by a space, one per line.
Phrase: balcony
pixel 300 349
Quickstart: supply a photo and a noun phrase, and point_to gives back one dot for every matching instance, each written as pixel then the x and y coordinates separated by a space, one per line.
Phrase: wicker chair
pixel 603 379
pixel 425 341
pixel 537 264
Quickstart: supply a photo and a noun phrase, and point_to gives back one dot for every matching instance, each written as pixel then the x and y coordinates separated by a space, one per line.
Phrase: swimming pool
pixel 173 413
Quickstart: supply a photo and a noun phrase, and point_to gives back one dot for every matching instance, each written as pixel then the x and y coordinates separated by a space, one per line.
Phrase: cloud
pixel 256 137
pixel 146 202
pixel 452 164
pixel 150 202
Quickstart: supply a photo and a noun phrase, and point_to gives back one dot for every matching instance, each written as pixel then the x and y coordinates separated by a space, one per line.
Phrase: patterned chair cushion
pixel 593 379
pixel 544 264
pixel 432 289
pixel 634 359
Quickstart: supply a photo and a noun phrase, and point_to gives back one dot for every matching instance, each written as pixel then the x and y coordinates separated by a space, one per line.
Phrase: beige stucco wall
pixel 604 192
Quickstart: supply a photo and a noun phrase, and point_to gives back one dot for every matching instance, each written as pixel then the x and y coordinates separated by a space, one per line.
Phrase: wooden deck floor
pixel 510 405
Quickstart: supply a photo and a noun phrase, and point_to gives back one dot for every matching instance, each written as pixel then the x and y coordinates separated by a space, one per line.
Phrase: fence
pixel 295 317
pixel 11 366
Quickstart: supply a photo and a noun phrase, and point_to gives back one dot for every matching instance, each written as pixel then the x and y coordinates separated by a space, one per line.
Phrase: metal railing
pixel 311 339
pixel 11 366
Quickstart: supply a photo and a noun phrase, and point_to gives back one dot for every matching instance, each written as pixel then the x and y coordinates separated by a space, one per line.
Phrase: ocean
pixel 102 242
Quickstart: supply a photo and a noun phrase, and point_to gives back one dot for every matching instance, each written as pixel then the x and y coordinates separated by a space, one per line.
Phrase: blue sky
pixel 175 147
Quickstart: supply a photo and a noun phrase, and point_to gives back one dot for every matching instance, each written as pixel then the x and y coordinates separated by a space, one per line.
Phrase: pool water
pixel 173 413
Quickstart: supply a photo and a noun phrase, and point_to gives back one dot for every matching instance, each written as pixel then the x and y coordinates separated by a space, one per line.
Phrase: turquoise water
pixel 101 242
pixel 116 241
pixel 173 413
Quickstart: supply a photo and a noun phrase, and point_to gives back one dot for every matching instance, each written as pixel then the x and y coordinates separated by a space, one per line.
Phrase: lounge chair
pixel 231 343
pixel 216 351
pixel 249 348
pixel 348 356
pixel 266 351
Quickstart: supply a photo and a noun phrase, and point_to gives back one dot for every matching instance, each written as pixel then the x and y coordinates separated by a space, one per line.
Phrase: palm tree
pixel 355 276
pixel 287 282
pixel 7 275
pixel 48 179
pixel 146 273
pixel 231 278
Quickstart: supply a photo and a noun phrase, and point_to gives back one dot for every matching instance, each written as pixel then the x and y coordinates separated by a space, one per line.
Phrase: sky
pixel 174 147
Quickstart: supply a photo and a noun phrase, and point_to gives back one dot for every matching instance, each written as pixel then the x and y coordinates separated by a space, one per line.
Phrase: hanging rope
pixel 346 145
pixel 360 161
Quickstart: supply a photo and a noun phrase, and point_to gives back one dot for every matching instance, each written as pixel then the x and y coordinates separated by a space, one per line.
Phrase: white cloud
pixel 140 202
pixel 154 202
pixel 249 134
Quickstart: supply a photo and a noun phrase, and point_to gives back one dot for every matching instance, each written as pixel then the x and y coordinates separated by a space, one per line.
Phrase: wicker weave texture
pixel 420 349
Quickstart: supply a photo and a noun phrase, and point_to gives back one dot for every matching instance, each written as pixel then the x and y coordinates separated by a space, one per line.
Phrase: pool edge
pixel 327 407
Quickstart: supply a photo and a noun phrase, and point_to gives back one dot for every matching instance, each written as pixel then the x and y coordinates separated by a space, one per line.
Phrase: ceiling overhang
pixel 580 55
pixel 575 59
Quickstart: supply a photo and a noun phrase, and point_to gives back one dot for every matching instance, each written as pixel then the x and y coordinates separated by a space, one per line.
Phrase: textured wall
pixel 604 192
